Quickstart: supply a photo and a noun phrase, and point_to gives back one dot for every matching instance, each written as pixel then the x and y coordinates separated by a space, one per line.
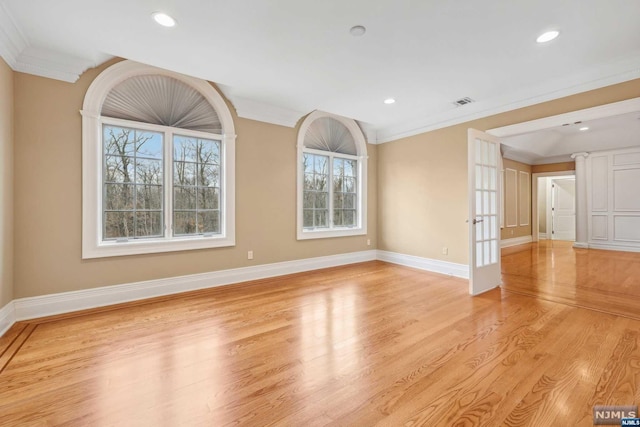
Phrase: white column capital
pixel 582 155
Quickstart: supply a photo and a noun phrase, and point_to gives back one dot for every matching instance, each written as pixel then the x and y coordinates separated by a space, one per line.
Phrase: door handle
pixel 475 221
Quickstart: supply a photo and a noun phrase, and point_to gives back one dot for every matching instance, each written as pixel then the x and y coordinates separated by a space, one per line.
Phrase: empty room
pixel 304 213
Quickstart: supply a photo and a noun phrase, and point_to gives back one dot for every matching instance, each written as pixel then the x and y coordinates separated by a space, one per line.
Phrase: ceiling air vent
pixel 463 101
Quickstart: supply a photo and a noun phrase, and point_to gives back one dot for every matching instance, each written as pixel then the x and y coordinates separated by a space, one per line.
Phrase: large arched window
pixel 332 177
pixel 158 163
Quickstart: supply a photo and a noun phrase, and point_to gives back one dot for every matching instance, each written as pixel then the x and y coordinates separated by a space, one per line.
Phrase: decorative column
pixel 582 234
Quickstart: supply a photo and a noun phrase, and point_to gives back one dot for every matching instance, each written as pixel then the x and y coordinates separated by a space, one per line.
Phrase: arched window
pixel 332 177
pixel 158 163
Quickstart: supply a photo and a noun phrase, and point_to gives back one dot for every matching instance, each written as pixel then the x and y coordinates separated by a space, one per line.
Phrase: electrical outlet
pixel 445 250
pixel 512 232
pixel 250 255
pixel 368 242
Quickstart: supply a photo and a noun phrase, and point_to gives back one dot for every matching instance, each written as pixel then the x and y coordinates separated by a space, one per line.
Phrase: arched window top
pixel 332 177
pixel 161 100
pixel 133 91
pixel 158 163
pixel 328 134
pixel 336 134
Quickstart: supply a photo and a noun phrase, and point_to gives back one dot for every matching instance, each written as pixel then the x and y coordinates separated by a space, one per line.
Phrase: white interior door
pixel 484 218
pixel 564 209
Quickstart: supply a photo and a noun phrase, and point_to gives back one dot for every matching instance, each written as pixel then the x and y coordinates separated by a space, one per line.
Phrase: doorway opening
pixel 556 208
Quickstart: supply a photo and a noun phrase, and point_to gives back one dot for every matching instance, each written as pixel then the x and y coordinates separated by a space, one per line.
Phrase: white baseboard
pixel 580 245
pixel 505 243
pixel 437 266
pixel 48 305
pixel 7 317
pixel 542 236
pixel 608 247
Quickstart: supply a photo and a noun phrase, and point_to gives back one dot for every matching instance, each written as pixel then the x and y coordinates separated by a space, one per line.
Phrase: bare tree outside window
pixel 196 186
pixel 345 192
pixel 132 183
pixel 316 191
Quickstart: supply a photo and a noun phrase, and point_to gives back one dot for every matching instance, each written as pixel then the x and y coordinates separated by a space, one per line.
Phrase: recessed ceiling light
pixel 583 128
pixel 358 30
pixel 548 36
pixel 163 19
pixel 389 101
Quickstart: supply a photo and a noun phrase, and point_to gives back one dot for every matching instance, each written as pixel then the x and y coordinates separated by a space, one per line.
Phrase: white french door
pixel 484 214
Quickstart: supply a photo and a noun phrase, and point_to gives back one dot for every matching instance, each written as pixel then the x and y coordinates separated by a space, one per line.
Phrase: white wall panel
pixel 524 198
pixel 613 199
pixel 599 225
pixel 511 197
pixel 626 228
pixel 626 159
pixel 599 183
pixel 626 190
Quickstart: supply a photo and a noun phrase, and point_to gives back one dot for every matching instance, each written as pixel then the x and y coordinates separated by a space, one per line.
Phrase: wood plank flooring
pixel 360 345
pixel 607 281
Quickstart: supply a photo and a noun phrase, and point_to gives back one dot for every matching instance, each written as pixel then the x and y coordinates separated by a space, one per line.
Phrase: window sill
pixel 140 247
pixel 323 234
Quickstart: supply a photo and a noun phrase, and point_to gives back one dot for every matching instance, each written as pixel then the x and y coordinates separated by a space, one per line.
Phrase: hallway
pixel 606 281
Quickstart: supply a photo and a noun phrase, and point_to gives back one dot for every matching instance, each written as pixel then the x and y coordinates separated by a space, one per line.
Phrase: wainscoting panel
pixel 613 199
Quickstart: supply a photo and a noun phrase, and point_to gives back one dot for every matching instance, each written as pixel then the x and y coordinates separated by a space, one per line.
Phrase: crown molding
pixel 605 75
pixel 12 39
pixel 262 112
pixel 599 112
pixel 369 131
pixel 52 65
pixel 17 52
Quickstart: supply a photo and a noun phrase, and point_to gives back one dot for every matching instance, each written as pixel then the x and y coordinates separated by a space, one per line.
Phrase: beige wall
pixel 514 196
pixel 6 184
pixel 422 179
pixel 48 199
pixel 554 167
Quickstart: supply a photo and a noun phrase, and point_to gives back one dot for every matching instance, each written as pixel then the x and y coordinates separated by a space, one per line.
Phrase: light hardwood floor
pixel 607 281
pixel 360 345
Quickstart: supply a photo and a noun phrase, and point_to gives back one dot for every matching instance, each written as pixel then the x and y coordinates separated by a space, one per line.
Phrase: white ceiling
pixel 556 144
pixel 278 60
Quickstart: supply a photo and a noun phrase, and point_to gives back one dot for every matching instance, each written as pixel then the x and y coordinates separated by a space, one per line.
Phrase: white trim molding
pixel 598 77
pixel 599 112
pixel 515 241
pixel 262 112
pixel 21 56
pixel 7 317
pixel 66 302
pixel 12 39
pixel 610 247
pixel 433 265
pixel 48 305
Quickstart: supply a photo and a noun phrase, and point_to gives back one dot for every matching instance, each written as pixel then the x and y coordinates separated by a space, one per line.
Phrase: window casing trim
pixel 92 123
pixel 362 158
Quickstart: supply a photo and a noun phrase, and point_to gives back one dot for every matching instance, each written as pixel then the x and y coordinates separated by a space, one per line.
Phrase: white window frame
pixel 92 168
pixel 361 157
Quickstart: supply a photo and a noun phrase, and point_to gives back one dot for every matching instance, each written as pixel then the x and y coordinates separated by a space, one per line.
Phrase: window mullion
pixel 330 192
pixel 168 184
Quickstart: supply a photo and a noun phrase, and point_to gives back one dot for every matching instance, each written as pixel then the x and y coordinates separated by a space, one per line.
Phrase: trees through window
pixel 158 163
pixel 332 177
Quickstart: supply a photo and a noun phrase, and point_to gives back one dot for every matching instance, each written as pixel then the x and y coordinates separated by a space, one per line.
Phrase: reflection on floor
pixel 606 281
